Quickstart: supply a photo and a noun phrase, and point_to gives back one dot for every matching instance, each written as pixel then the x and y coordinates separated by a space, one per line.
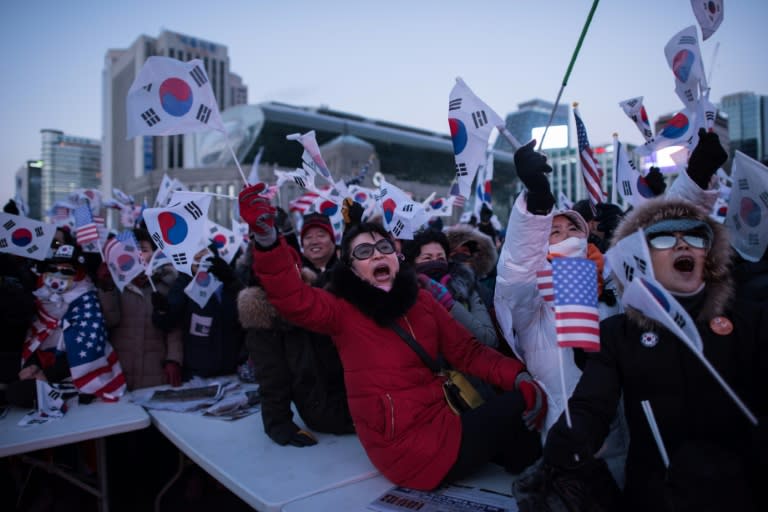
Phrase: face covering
pixel 435 269
pixel 571 247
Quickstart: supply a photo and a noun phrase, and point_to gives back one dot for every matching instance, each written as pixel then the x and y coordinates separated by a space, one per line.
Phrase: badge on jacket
pixel 721 325
pixel 649 339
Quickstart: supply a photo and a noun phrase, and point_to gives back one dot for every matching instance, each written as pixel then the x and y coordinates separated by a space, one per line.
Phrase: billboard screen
pixel 557 136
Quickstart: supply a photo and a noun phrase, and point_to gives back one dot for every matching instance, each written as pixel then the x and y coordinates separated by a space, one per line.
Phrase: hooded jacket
pixel 646 362
pixel 396 402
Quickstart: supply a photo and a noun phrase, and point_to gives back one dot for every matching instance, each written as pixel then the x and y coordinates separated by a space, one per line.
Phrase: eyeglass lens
pixel 669 241
pixel 365 250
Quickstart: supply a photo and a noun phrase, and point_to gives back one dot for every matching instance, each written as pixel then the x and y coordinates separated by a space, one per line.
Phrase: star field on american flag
pixel 577 319
pixel 92 362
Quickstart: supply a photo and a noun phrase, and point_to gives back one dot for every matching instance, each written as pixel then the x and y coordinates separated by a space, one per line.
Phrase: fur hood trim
pixel 717 275
pixel 254 310
pixel 484 260
pixel 383 307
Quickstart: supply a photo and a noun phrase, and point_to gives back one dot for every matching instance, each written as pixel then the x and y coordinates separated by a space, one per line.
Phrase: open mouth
pixel 684 264
pixel 381 273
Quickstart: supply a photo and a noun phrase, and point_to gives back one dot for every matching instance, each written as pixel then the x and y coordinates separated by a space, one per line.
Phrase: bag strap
pixel 428 361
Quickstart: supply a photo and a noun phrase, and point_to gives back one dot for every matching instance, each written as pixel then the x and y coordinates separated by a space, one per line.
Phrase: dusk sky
pixel 394 61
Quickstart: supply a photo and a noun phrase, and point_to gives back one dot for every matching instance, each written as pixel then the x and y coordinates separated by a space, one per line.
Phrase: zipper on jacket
pixel 391 413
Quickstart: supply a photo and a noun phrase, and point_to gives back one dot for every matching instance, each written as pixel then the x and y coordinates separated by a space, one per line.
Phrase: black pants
pixel 495 432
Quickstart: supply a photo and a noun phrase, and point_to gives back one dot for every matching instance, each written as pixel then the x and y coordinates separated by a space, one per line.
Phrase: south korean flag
pixel 171 97
pixel 26 237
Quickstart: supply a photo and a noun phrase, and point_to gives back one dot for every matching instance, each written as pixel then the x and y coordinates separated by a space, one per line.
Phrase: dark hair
pixel 583 208
pixel 412 248
pixel 359 229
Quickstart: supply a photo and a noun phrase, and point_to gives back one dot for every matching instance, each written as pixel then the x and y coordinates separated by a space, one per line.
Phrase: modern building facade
pixel 124 161
pixel 29 188
pixel 529 121
pixel 747 114
pixel 67 163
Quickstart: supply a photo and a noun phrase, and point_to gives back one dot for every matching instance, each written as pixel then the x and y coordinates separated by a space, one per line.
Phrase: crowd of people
pixel 341 334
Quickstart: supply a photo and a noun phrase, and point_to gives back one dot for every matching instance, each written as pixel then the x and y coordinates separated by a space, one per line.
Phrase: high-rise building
pixel 529 122
pixel 126 160
pixel 747 123
pixel 68 163
pixel 29 188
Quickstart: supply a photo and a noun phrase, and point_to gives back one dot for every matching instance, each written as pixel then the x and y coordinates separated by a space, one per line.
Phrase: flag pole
pixel 568 71
pixel 237 163
pixel 616 149
pixel 655 431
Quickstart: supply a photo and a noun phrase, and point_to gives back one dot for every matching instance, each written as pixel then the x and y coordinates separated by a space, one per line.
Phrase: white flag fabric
pixel 26 237
pixel 709 14
pixel 312 161
pixel 178 229
pixel 253 176
pixel 163 191
pixel 678 131
pixel 224 240
pixel 747 218
pixel 439 206
pixel 471 122
pixel 156 262
pixel 203 285
pixel 301 177
pixel 366 197
pixel 402 216
pixel 123 261
pixel 564 202
pixel 627 179
pixel 635 110
pixel 684 57
pixel 630 258
pixel 655 302
pixel 170 97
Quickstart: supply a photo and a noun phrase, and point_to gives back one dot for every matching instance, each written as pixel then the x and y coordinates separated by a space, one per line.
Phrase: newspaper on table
pixel 224 399
pixel 447 498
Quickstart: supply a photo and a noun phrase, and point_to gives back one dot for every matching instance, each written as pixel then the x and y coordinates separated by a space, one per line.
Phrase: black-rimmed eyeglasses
pixel 365 250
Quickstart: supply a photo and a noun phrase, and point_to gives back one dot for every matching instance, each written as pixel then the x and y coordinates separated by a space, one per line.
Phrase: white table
pixel 357 496
pixel 262 473
pixel 93 421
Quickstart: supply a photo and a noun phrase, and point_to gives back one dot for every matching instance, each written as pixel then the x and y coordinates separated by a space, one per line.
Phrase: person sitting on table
pixel 401 416
pixel 292 364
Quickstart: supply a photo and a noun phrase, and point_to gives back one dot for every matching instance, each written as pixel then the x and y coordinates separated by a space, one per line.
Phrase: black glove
pixel 160 302
pixel 485 214
pixel 706 158
pixel 608 217
pixel 352 211
pixel 283 222
pixel 655 181
pixel 289 433
pixel 590 486
pixel 221 270
pixel 532 169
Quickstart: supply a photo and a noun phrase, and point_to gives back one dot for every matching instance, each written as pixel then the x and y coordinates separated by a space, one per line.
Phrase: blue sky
pixel 393 60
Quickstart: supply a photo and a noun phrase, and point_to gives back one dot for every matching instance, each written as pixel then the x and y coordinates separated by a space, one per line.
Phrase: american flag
pixel 85 227
pixel 127 237
pixel 577 320
pixel 93 363
pixel 544 284
pixel 590 169
pixel 302 203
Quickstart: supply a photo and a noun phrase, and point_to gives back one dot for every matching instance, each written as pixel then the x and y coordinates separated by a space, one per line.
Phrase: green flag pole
pixel 568 71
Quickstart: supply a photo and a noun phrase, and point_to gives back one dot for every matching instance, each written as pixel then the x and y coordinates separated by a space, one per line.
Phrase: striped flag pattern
pixel 590 169
pixel 577 320
pixel 85 227
pixel 302 203
pixel 544 285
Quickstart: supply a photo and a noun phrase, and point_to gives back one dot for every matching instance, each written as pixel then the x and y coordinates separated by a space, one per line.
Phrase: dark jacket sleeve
pixel 267 350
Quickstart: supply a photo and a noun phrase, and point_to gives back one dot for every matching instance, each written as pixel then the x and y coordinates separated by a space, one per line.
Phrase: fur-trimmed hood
pixel 484 259
pixel 383 307
pixel 718 290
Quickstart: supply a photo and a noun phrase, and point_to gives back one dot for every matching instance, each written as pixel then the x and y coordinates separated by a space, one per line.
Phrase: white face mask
pixel 572 247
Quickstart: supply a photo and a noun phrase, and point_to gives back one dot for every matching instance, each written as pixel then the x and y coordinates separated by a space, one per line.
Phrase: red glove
pixel 256 210
pixel 535 401
pixel 172 371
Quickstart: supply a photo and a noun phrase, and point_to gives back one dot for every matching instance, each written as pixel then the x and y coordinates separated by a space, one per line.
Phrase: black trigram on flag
pixel 300 181
pixel 148 87
pixel 454 104
pixel 3 243
pixel 461 169
pixel 627 186
pixel 689 96
pixel 753 239
pixel 629 272
pixel 150 117
pixel 743 184
pixel 686 40
pixel 398 228
pixel 710 115
pixel 198 75
pixel 179 258
pixel 203 113
pixel 32 249
pixel 764 197
pixel 39 231
pixel 158 240
pixel 193 210
pixel 9 225
pixel 407 208
pixel 479 118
